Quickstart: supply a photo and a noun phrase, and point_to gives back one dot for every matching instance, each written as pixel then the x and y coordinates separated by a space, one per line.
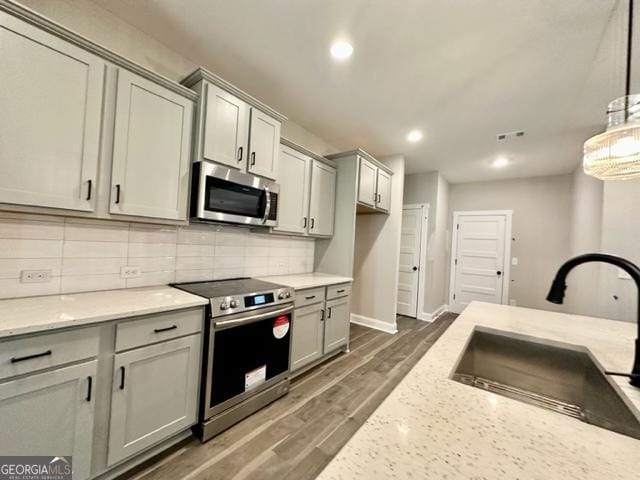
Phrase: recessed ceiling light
pixel 500 162
pixel 414 136
pixel 341 50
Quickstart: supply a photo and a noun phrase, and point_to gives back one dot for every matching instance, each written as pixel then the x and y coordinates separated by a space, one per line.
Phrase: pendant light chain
pixel 627 88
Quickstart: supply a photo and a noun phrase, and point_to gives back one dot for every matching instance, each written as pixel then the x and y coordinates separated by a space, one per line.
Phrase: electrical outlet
pixel 35 276
pixel 129 272
pixel 514 261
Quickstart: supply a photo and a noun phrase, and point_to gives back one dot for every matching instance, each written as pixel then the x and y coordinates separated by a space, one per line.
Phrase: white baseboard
pixel 374 323
pixel 430 317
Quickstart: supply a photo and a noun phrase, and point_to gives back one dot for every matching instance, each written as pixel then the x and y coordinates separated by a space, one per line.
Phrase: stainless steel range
pixel 247 349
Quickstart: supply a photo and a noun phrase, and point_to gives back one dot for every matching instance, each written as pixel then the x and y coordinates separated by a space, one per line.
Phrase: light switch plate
pixel 130 272
pixel 35 276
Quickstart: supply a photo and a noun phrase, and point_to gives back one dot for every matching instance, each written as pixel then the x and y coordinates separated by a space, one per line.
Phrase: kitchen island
pixel 433 427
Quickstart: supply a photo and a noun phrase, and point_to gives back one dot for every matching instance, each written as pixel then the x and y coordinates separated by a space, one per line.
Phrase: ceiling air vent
pixel 503 137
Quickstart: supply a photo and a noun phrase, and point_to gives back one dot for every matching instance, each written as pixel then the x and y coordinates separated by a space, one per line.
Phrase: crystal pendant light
pixel 615 154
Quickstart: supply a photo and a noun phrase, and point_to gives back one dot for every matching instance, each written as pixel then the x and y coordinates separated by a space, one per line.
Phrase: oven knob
pixel 288 294
pixel 233 304
pixel 224 306
pixel 281 295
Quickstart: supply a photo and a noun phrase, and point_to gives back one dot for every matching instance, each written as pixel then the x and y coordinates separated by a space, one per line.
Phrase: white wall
pixel 586 236
pixel 541 228
pixel 110 31
pixel 377 254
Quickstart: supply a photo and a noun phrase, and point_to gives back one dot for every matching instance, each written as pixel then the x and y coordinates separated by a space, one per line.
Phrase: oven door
pixel 247 353
pixel 225 195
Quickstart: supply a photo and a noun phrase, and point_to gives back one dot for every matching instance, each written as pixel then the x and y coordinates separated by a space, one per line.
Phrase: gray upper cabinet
pixel 151 152
pixel 51 104
pixel 367 183
pixel 51 413
pixel 294 178
pixel 383 191
pixel 224 127
pixel 154 395
pixel 233 128
pixel 323 199
pixel 264 145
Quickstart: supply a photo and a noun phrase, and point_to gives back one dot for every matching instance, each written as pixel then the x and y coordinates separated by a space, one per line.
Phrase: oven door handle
pixel 267 207
pixel 253 318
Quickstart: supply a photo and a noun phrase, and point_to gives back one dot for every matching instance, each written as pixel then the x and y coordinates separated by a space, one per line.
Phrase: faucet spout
pixel 558 287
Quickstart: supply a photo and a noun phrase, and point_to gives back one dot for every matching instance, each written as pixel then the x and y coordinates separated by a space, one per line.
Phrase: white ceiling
pixel 461 71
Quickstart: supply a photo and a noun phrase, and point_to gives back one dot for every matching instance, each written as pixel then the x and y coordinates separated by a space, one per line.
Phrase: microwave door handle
pixel 267 207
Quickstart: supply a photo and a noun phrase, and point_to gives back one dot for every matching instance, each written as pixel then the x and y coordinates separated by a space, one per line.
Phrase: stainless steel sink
pixel 556 376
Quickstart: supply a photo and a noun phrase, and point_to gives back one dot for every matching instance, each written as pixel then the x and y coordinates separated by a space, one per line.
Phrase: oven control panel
pixel 240 303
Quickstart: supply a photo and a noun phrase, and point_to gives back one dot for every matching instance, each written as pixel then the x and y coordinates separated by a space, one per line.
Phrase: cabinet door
pixel 225 133
pixel 322 206
pixel 383 189
pixel 294 177
pixel 50 414
pixel 336 324
pixel 151 151
pixel 51 104
pixel 307 335
pixel 155 395
pixel 264 144
pixel 367 183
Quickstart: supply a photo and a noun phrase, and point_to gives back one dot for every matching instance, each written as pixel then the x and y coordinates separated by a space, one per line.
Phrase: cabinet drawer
pixel 336 291
pixel 29 354
pixel 309 296
pixel 165 326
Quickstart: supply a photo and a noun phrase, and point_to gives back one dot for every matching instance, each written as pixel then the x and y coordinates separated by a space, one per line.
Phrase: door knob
pixel 415 269
pixel 498 273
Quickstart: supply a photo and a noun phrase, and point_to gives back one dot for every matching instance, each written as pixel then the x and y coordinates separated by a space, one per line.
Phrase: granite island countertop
pixel 21 316
pixel 431 427
pixel 301 281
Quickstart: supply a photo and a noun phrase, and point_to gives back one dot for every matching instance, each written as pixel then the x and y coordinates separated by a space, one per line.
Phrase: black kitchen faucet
pixel 556 295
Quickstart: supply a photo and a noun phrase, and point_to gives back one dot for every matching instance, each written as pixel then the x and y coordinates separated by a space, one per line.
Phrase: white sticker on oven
pixel 255 377
pixel 280 326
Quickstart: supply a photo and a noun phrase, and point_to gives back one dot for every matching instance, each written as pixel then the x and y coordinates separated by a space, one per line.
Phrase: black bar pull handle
pixel 30 357
pixel 240 149
pixel 322 315
pixel 89 188
pixel 329 313
pixel 313 222
pixel 305 222
pixel 89 387
pixel 166 329
pixel 122 373
pixel 311 297
pixel 118 193
pixel 340 291
pixel 253 158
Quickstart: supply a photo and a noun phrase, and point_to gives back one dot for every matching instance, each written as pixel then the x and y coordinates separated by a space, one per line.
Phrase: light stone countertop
pixel 307 280
pixel 37 314
pixel 431 427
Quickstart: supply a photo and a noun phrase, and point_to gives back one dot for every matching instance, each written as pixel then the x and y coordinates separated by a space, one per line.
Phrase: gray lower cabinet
pixel 320 326
pixel 154 395
pixel 50 413
pixel 307 335
pixel 336 324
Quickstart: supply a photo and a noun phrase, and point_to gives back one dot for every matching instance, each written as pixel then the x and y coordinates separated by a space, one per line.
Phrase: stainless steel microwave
pixel 221 194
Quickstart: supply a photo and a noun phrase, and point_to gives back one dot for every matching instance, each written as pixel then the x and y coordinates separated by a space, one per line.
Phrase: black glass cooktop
pixel 224 288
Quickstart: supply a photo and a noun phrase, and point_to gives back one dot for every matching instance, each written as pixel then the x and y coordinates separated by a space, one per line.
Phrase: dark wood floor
pixel 296 436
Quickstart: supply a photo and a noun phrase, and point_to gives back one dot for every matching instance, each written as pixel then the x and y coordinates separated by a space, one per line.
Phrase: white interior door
pixel 479 258
pixel 409 274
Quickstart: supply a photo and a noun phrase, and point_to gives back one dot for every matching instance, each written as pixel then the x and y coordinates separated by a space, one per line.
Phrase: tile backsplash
pixel 84 255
